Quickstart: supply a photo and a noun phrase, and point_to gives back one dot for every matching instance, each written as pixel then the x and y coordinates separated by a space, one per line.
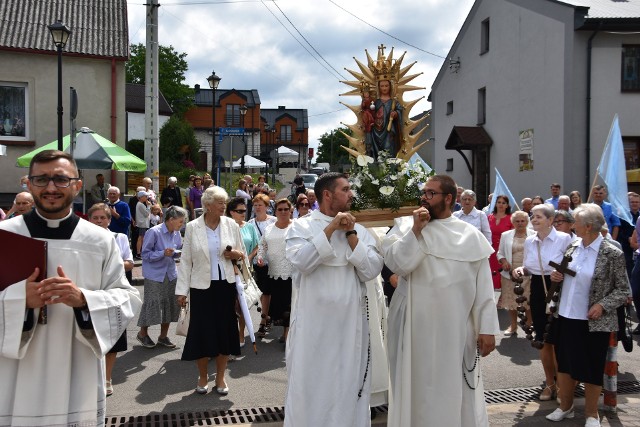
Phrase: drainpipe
pixel 587 178
pixel 113 114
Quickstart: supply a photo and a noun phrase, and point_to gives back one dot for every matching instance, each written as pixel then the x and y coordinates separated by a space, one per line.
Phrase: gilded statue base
pixel 381 217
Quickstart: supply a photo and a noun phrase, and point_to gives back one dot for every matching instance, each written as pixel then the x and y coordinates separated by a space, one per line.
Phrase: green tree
pixel 329 150
pixel 178 146
pixel 136 147
pixel 172 68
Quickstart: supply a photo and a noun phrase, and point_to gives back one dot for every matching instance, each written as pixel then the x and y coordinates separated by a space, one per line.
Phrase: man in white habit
pixel 53 373
pixel 442 317
pixel 328 354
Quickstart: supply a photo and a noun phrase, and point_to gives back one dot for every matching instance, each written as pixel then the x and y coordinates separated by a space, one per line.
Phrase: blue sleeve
pixel 125 215
pixel 150 250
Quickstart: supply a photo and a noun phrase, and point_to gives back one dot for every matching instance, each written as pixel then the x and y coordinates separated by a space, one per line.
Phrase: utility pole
pixel 151 131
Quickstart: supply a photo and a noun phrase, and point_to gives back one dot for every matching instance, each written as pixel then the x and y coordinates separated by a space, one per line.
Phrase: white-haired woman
pixel 510 256
pixel 587 312
pixel 544 246
pixel 206 272
pixel 159 270
pixel 171 195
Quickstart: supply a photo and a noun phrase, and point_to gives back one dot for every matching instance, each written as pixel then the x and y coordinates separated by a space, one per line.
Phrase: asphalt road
pixel 148 381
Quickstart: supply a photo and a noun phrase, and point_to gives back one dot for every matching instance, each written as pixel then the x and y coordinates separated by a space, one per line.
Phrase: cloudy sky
pixel 260 44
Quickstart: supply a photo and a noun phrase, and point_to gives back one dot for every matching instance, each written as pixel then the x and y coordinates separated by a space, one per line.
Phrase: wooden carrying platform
pixel 381 217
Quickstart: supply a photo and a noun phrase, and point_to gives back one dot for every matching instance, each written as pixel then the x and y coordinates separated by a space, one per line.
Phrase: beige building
pixel 92 62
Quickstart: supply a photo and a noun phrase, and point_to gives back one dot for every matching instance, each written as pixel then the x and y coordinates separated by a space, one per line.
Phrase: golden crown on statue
pixel 384 68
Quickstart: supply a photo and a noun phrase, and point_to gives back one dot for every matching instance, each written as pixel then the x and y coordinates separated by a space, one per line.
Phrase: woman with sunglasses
pixel 303 206
pixel 272 249
pixel 237 210
pixel 261 221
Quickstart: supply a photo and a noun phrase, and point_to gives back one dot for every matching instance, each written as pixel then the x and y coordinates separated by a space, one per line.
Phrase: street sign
pixel 229 131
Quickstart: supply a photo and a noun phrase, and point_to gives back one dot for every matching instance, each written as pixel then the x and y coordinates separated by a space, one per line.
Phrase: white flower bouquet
pixel 388 183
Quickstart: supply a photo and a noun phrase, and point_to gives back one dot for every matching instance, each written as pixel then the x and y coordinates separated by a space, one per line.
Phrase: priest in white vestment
pixel 52 373
pixel 442 317
pixel 328 354
pixel 378 312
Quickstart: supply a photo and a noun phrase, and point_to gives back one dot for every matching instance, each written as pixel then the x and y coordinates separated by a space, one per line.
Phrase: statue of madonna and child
pixel 382 141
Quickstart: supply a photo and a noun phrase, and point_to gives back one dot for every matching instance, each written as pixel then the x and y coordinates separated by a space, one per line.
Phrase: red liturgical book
pixel 22 255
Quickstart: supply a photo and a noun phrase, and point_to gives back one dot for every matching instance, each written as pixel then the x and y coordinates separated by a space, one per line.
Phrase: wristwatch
pixel 350 232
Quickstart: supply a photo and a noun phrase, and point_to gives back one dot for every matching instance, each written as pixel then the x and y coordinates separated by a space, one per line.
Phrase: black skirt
pixel 580 354
pixel 121 344
pixel 262 279
pixel 538 305
pixel 280 305
pixel 213 325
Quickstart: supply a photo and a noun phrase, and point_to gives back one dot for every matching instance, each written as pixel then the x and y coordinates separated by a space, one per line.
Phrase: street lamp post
pixel 299 152
pixel 266 144
pixel 273 158
pixel 276 169
pixel 214 81
pixel 60 34
pixel 243 112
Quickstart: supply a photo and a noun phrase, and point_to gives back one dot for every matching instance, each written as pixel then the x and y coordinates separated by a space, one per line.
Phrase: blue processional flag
pixel 613 171
pixel 501 189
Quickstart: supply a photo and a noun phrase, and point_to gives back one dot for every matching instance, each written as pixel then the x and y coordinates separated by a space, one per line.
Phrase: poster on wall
pixel 526 150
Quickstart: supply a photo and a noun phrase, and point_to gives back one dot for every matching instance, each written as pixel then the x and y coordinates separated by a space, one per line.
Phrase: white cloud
pixel 249 49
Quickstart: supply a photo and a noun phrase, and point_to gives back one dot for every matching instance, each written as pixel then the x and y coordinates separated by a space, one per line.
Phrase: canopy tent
pixel 286 153
pixel 249 162
pixel 92 151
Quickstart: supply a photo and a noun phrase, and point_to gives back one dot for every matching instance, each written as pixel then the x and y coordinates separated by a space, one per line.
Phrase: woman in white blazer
pixel 206 271
pixel 510 255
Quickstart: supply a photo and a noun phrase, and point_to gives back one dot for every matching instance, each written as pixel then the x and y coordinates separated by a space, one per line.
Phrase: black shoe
pixel 636 331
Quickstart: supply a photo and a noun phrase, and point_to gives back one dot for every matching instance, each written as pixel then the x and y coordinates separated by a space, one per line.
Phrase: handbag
pixel 624 328
pixel 182 326
pixel 252 293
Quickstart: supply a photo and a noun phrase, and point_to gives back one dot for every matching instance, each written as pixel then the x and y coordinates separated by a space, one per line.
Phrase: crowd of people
pixel 311 260
pixel 600 251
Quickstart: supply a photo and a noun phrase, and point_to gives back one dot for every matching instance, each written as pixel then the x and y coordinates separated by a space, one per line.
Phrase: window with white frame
pixel 13 110
pixel 285 133
pixel 232 118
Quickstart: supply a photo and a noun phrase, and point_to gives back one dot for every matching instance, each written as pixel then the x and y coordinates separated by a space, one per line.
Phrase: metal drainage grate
pixel 276 413
pixel 203 418
pixel 530 394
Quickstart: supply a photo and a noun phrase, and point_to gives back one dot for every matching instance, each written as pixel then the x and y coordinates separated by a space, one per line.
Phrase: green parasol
pixel 92 151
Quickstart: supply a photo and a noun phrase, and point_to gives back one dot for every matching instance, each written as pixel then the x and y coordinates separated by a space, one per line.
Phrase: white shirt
pixel 213 240
pixel 476 218
pixel 123 245
pixel 551 249
pixel 272 248
pixel 574 303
